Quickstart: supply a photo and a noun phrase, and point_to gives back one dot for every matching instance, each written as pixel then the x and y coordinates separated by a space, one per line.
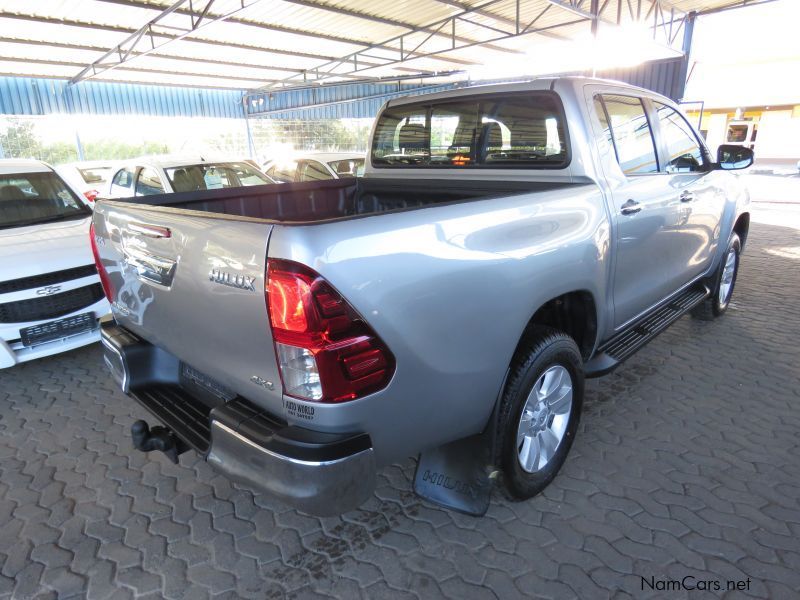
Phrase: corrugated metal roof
pixel 270 40
pixel 29 96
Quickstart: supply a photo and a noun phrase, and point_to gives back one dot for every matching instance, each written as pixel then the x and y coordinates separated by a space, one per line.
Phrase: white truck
pixel 50 294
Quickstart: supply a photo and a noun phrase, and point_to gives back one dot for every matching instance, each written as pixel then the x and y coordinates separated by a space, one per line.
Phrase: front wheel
pixel 539 412
pixel 724 281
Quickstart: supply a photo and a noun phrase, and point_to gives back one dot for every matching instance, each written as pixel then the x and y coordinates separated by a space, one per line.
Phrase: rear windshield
pixel 520 130
pixel 214 176
pixel 32 198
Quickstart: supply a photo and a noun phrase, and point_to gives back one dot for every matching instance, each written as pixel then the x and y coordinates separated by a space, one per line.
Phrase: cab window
pixel 283 172
pixel 311 170
pixel 123 178
pixel 626 127
pixel 148 183
pixel 684 154
pixel 489 131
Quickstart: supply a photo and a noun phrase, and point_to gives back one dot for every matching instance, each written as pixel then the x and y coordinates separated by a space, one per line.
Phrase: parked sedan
pixel 165 175
pixel 51 297
pixel 90 178
pixel 316 167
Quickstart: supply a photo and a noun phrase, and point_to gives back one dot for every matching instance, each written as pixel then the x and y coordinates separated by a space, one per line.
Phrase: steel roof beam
pixel 121 53
pixel 247 23
pixel 164 55
pixel 384 21
pixel 194 40
pixel 64 63
pixel 351 64
pixel 493 15
pixel 651 12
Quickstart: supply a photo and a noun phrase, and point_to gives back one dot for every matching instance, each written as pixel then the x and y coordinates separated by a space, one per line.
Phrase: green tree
pixel 20 141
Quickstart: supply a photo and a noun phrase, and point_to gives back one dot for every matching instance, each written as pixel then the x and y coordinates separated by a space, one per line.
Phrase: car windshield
pixel 32 198
pixel 214 176
pixel 351 167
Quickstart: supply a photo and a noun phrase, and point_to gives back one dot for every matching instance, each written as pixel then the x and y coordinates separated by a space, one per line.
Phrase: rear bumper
pixel 318 473
pixel 327 485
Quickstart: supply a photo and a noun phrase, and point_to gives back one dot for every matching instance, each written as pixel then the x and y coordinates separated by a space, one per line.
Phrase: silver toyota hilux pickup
pixel 506 242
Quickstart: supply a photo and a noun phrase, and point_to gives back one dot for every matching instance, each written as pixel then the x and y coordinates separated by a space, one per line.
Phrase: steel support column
pixel 686 48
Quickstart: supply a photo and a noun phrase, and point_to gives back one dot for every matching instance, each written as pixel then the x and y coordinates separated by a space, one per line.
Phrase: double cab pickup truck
pixel 505 243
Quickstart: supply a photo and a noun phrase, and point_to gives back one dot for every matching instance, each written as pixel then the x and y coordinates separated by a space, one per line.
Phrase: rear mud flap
pixel 457 475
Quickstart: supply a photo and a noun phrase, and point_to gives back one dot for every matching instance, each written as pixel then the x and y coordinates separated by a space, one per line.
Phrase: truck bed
pixel 318 201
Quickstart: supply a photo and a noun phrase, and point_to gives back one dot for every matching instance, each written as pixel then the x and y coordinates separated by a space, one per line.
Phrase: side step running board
pixel 624 344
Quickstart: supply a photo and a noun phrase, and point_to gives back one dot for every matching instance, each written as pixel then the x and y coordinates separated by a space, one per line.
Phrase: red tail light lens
pixel 326 351
pixel 105 281
pixel 91 195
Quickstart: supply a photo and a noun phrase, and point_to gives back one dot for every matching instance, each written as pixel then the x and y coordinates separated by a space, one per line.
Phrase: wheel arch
pixel 742 227
pixel 574 313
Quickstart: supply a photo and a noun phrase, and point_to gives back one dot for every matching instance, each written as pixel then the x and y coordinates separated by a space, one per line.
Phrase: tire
pixel 546 355
pixel 723 283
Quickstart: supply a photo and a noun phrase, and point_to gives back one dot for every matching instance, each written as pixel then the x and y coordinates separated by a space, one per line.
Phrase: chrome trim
pixel 153 231
pixel 319 488
pixel 150 267
pixel 109 346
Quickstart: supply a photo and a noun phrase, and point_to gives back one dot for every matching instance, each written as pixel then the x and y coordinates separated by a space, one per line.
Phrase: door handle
pixel 686 196
pixel 631 207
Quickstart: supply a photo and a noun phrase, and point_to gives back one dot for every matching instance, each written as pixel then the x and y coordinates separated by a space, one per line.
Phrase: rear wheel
pixel 539 412
pixel 724 281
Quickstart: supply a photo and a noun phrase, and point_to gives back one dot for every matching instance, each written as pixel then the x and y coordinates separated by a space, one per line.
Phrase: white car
pixel 316 166
pixel 88 177
pixel 51 297
pixel 166 175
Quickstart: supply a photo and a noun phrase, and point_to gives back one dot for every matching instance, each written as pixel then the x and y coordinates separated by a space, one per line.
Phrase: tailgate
pixel 193 284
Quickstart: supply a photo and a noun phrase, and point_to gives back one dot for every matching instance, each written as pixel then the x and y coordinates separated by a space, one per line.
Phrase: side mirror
pixel 731 157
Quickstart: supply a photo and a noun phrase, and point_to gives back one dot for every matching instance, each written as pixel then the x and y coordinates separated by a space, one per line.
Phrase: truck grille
pixel 50 307
pixel 35 281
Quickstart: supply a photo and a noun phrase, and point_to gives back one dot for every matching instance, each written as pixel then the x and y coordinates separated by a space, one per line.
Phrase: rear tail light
pixel 91 195
pixel 105 281
pixel 326 352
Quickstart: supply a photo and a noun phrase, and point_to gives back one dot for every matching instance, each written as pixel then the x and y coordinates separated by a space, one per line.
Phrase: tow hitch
pixel 158 438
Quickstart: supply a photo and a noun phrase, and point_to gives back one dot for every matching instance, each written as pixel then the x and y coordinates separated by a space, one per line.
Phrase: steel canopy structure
pixel 272 45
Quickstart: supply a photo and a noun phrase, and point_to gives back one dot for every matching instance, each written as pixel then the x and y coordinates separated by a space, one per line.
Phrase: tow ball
pixel 158 438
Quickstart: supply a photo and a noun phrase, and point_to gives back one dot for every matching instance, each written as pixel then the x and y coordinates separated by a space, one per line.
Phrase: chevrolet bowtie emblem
pixel 242 282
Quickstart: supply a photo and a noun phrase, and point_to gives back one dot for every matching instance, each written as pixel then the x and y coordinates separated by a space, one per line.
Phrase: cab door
pixel 646 215
pixel 687 168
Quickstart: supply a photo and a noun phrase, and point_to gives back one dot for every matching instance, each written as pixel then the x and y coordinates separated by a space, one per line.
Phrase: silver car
pixel 505 242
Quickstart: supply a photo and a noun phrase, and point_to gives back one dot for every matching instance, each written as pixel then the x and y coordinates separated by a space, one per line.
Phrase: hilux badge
pixel 242 282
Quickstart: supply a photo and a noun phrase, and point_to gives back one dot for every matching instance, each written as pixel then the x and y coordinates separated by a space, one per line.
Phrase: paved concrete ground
pixel 687 463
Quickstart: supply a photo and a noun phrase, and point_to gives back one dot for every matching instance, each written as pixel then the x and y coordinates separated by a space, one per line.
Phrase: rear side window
pixel 123 178
pixel 350 167
pixel 625 123
pixel 312 170
pixel 526 130
pixel 684 154
pixel 95 174
pixel 149 183
pixel 283 172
